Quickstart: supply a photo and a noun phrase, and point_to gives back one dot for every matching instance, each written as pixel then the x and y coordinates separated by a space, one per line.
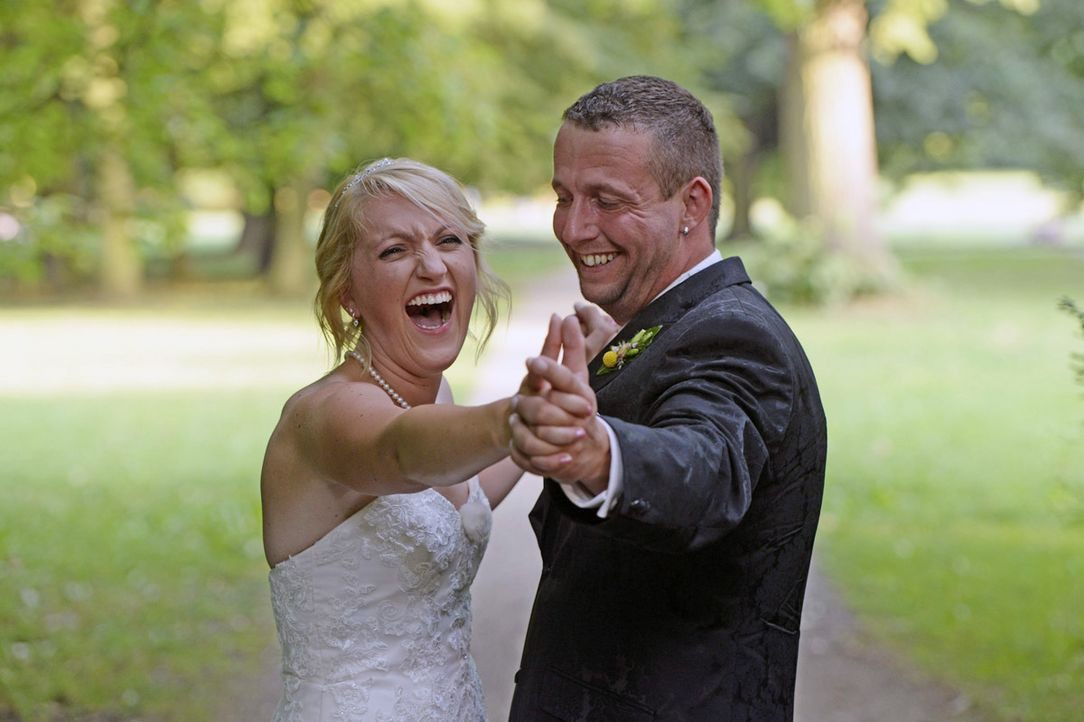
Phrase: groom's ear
pixel 697 199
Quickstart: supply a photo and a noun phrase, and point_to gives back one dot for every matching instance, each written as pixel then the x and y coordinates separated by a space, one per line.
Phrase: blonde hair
pixel 428 188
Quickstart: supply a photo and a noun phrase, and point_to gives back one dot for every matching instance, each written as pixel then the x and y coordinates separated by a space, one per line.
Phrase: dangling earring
pixel 356 323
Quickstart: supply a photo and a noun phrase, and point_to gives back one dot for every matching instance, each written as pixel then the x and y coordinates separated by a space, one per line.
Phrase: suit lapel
pixel 671 306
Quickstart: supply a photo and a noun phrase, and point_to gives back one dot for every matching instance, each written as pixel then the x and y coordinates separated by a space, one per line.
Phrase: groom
pixel 676 533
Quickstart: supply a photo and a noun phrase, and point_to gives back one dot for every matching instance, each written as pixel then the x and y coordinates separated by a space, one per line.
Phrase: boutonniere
pixel 621 353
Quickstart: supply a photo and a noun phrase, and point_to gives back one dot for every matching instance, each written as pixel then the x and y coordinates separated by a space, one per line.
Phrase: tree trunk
pixel 742 174
pixel 121 265
pixel 828 135
pixel 121 270
pixel 291 272
pixel 258 239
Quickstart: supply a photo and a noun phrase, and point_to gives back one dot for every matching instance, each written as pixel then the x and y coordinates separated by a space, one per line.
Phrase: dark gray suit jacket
pixel 684 603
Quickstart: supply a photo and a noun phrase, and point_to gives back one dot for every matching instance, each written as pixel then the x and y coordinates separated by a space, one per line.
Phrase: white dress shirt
pixel 577 493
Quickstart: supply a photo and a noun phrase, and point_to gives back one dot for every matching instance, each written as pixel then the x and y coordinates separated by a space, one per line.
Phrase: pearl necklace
pixel 380 381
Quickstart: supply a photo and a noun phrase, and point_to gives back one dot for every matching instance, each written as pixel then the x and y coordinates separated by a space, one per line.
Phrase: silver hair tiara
pixel 378 165
pixel 356 178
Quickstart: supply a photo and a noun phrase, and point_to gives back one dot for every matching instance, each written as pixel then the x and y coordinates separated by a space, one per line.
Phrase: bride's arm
pixel 350 434
pixel 497 480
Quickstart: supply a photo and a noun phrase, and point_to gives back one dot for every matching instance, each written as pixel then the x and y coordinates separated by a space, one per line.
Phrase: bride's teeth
pixel 430 299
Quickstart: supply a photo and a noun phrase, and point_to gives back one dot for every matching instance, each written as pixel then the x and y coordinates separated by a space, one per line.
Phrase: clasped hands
pixel 554 427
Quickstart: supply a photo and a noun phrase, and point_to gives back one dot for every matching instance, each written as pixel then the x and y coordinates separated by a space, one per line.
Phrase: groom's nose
pixel 575 222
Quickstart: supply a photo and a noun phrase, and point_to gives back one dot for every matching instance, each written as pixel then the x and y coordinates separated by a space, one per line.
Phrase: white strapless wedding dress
pixel 374 619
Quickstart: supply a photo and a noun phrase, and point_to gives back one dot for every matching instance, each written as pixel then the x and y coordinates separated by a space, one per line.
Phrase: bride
pixel 376 489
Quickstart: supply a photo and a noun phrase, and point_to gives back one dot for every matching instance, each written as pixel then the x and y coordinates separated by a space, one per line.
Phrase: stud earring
pixel 685 230
pixel 357 322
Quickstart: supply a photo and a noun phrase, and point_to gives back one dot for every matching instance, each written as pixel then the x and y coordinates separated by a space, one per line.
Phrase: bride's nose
pixel 430 264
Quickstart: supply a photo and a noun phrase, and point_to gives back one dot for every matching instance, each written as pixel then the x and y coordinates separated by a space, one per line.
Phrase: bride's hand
pixel 541 424
pixel 597 327
pixel 566 412
pixel 533 384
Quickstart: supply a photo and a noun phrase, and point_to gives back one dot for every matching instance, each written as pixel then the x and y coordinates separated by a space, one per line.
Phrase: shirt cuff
pixel 579 495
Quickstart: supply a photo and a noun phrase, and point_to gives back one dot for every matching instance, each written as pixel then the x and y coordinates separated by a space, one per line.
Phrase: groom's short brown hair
pixel 685 142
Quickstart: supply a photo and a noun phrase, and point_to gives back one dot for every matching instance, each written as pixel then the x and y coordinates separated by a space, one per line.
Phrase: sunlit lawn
pixel 954 514
pixel 131 566
pixel 132 577
pixel 131 574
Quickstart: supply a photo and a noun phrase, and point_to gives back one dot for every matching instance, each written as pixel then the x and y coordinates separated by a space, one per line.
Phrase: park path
pixel 841 676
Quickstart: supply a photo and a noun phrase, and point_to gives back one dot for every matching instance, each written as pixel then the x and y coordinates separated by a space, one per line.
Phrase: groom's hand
pixel 541 422
pixel 598 328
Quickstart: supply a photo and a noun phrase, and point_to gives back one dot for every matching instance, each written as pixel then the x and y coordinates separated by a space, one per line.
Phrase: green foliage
pixel 791 264
pixel 788 14
pixel 902 27
pixel 308 91
pixel 1071 502
pixel 60 243
pixel 1069 306
pixel 80 82
pixel 283 94
pixel 582 44
pixel 980 104
pixel 278 93
pixel 741 55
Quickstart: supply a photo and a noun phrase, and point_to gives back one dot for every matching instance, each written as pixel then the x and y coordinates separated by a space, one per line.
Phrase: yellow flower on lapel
pixel 621 353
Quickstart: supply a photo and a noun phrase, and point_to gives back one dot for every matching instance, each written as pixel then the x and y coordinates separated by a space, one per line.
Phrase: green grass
pixel 952 513
pixel 131 575
pixel 132 578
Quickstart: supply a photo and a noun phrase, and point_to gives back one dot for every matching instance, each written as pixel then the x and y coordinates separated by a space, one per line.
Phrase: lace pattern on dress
pixel 374 619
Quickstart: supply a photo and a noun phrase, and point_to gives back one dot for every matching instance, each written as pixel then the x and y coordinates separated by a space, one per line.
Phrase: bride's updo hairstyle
pixel 428 188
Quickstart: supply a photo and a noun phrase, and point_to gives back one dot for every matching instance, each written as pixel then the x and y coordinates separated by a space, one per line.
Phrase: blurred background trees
pixel 119 119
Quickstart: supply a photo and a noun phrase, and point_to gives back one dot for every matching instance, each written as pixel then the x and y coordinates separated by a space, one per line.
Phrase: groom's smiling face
pixel 621 234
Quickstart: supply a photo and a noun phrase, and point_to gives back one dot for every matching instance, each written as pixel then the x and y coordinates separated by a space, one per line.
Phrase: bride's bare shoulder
pixel 330 408
pixel 330 391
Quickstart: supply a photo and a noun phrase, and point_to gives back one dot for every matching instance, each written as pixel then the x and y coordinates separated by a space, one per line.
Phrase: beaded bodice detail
pixel 374 619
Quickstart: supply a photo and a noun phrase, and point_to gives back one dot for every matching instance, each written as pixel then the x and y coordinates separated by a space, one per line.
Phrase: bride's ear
pixel 348 305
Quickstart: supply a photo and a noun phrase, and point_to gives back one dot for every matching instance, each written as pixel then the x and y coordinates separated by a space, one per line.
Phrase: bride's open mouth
pixel 430 311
